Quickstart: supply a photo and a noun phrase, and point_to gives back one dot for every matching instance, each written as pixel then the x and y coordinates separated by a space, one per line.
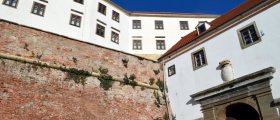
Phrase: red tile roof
pixel 214 24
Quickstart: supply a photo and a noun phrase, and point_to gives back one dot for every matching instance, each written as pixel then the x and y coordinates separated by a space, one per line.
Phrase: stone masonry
pixel 28 91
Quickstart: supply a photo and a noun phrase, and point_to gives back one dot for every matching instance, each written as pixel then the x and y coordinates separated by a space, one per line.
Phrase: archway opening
pixel 241 111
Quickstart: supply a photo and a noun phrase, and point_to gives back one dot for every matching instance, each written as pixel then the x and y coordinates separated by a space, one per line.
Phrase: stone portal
pixel 245 98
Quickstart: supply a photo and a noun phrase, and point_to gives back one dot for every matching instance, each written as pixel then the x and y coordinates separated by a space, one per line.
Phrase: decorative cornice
pixel 265 74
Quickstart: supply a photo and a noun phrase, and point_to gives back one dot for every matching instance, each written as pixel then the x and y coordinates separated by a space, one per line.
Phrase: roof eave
pixel 170 52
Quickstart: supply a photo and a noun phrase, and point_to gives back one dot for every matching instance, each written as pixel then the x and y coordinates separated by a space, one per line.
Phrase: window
pixel 102 8
pixel 158 24
pixel 199 59
pixel 249 35
pixel 184 25
pixel 11 3
pixel 75 20
pixel 79 1
pixel 116 16
pixel 100 30
pixel 115 37
pixel 38 9
pixel 171 70
pixel 136 24
pixel 160 45
pixel 137 45
pixel 201 28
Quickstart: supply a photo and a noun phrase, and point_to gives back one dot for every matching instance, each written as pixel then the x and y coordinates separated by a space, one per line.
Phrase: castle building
pixel 215 67
pixel 103 23
pixel 228 68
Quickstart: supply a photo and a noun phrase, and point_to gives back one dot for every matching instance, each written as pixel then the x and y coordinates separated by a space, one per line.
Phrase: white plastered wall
pixel 226 45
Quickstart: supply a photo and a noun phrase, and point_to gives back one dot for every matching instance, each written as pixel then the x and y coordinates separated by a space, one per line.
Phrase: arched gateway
pixel 241 111
pixel 246 98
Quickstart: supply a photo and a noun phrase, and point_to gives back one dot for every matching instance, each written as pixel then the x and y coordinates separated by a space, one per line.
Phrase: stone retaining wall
pixel 29 91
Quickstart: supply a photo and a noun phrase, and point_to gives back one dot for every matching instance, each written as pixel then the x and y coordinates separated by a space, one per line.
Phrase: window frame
pixel 184 25
pixel 40 5
pixel 137 44
pixel 195 67
pixel 115 16
pixel 112 36
pixel 102 8
pixel 97 29
pixel 136 24
pixel 172 67
pixel 159 25
pixel 79 1
pixel 75 22
pixel 10 5
pixel 240 36
pixel 164 45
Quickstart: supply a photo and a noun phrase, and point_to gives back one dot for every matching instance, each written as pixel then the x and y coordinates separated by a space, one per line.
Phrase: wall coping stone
pixel 140 57
pixel 238 82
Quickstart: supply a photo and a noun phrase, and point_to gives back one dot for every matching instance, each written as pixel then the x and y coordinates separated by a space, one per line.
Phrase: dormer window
pixel 202 26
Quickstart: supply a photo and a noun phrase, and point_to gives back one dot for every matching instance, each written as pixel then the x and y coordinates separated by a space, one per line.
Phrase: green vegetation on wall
pixel 79 76
pixel 106 80
pixel 130 80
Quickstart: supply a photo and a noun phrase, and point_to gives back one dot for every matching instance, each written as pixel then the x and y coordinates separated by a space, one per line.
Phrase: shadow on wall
pixel 192 102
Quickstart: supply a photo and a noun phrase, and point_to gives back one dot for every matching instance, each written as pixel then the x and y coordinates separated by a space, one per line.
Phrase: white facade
pixel 57 14
pixel 226 45
pixel 171 32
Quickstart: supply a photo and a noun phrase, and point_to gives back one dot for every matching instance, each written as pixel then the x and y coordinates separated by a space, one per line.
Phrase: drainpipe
pixel 259 109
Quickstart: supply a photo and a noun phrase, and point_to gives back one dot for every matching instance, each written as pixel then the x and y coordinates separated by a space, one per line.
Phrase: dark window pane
pixel 160 44
pixel 137 44
pixel 115 16
pixel 201 28
pixel 249 35
pixel 136 24
pixel 158 24
pixel 199 59
pixel 75 20
pixel 115 37
pixel 11 3
pixel 184 25
pixel 102 8
pixel 171 70
pixel 38 9
pixel 100 30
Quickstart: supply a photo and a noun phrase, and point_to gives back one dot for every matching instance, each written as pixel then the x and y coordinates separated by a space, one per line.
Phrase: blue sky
pixel 180 6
